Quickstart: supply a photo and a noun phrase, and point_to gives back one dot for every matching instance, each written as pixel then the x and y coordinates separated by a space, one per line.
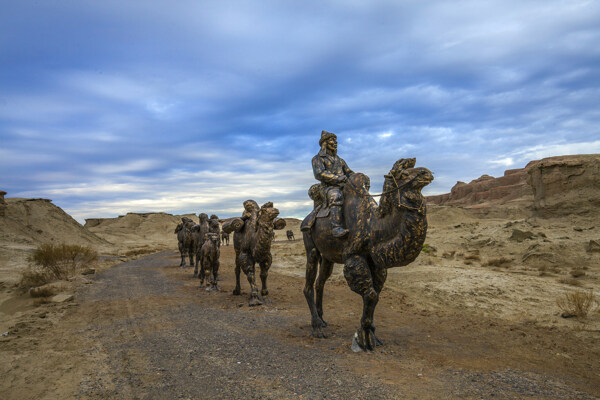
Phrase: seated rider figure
pixel 333 173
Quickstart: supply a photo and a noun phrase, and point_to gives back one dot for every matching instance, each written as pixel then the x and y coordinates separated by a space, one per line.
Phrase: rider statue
pixel 333 173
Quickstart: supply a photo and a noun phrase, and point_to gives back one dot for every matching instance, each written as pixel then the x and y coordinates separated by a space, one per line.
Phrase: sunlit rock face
pixel 565 185
pixel 552 186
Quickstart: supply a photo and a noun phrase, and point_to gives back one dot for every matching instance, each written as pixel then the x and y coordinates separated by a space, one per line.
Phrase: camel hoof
pixel 319 334
pixel 236 292
pixel 363 341
pixel 264 292
pixel 254 301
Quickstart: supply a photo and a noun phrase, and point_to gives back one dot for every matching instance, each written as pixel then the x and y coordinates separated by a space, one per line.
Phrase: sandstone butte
pixel 550 187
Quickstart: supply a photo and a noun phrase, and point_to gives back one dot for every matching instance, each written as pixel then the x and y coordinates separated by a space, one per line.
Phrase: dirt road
pixel 145 330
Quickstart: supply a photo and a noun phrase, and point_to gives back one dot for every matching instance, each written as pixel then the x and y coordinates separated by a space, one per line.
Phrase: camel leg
pixel 312 264
pixel 215 273
pixel 182 252
pixel 248 266
pixel 196 265
pixel 201 272
pixel 238 290
pixel 379 277
pixel 191 255
pixel 359 278
pixel 324 273
pixel 264 272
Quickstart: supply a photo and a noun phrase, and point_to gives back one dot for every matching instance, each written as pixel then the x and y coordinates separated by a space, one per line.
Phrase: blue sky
pixel 108 107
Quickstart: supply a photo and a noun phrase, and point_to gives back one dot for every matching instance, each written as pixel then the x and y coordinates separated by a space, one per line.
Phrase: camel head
pixel 266 215
pixel 203 217
pixel 213 237
pixel 213 223
pixel 411 182
pixel 399 169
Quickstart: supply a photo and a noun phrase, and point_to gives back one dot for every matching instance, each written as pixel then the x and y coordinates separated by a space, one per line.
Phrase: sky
pixel 109 107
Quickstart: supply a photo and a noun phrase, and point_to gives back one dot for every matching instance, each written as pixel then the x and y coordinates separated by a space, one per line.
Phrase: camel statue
pixel 382 236
pixel 252 244
pixel 215 227
pixel 290 234
pixel 198 232
pixel 209 261
pixel 225 238
pixel 184 239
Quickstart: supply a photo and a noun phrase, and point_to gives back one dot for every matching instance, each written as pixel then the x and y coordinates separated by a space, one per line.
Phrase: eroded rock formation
pixel 2 203
pixel 552 186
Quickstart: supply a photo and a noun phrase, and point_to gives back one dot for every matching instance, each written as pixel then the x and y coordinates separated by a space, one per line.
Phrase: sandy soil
pixel 456 323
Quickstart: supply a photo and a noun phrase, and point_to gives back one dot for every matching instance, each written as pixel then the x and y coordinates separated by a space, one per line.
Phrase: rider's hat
pixel 326 136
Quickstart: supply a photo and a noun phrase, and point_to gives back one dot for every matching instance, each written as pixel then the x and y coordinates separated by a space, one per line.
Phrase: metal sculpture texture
pixel 379 237
pixel 290 234
pixel 209 261
pixel 184 239
pixel 198 236
pixel 252 244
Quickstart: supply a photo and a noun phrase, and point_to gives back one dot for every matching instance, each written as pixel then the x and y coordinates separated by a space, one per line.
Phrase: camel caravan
pixel 346 226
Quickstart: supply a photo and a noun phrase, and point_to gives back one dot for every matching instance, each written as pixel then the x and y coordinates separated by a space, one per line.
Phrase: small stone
pixel 62 298
pixel 519 235
pixel 593 247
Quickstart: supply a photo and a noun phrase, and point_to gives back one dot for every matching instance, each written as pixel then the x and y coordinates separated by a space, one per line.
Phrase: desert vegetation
pixel 49 262
pixel 577 304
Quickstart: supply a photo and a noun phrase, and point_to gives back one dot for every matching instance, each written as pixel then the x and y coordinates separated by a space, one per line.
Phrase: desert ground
pixel 475 316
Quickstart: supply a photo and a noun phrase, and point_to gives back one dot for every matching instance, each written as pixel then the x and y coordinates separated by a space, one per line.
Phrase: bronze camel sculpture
pixel 185 241
pixel 252 244
pixel 290 234
pixel 198 232
pixel 380 237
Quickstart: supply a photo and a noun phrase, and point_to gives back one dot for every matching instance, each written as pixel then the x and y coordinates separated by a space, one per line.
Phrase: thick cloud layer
pixel 108 107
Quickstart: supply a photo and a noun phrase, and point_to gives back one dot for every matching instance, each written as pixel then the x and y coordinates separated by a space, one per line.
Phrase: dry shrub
pixel 498 262
pixel 449 254
pixel 570 281
pixel 42 292
pixel 62 261
pixel 576 304
pixel 40 300
pixel 33 277
pixel 576 273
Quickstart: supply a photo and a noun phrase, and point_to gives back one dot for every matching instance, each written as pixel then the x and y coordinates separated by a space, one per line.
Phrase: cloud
pixel 201 105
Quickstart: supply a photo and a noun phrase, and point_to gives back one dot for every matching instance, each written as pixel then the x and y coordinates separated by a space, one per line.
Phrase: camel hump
pixel 232 225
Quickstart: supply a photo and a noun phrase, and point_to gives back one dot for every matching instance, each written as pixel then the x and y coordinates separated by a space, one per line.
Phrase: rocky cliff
pixel 553 186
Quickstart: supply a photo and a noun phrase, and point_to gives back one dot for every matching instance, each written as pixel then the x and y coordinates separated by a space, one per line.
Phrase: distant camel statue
pixel 290 234
pixel 184 239
pixel 198 232
pixel 225 238
pixel 209 261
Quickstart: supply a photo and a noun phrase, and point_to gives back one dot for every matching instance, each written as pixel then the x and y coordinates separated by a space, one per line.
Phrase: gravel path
pixel 156 335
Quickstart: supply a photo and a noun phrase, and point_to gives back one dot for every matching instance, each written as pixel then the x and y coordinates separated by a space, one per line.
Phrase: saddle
pixel 318 193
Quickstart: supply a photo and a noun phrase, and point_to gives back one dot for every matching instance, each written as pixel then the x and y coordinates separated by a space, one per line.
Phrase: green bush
pixel 62 261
